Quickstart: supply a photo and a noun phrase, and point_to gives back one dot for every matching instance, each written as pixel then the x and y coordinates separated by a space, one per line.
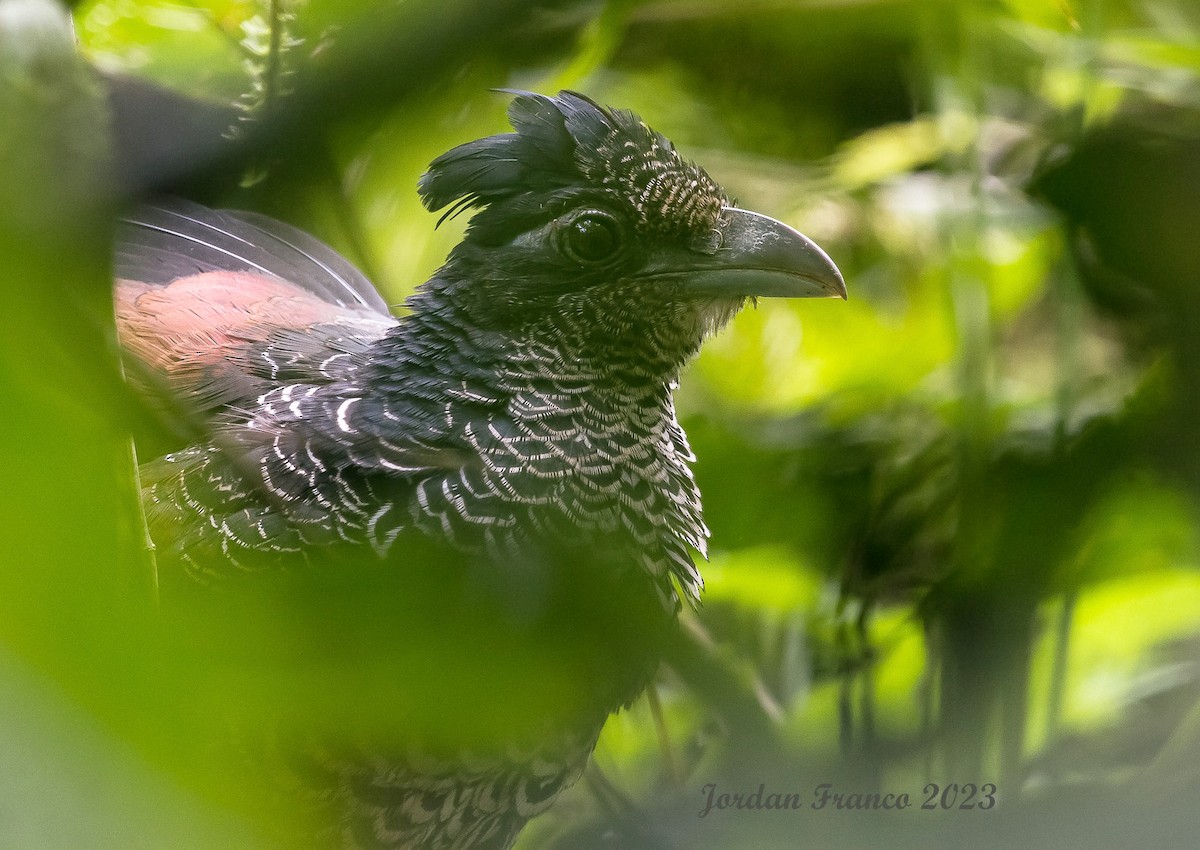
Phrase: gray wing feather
pixel 161 242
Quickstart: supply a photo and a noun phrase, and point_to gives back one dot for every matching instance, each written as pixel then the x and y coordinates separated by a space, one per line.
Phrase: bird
pixel 500 464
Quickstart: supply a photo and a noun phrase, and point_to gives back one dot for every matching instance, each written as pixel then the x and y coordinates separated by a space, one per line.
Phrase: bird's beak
pixel 756 256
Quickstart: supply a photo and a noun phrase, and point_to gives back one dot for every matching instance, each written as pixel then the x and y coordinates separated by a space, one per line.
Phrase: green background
pixel 954 518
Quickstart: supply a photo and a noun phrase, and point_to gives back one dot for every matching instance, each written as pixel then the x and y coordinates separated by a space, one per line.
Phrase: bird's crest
pixel 569 140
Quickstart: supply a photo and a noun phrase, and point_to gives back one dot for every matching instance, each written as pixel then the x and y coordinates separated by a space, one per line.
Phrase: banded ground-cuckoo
pixel 501 465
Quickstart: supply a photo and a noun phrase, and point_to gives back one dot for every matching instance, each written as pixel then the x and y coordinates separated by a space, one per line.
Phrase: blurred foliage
pixel 955 518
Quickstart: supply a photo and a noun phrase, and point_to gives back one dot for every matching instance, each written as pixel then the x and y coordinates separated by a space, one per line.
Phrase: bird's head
pixel 594 229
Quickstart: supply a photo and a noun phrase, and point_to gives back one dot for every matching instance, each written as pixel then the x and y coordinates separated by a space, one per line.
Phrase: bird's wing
pixel 160 243
pixel 221 306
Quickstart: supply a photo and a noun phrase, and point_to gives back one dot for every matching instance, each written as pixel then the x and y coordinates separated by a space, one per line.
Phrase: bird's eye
pixel 592 237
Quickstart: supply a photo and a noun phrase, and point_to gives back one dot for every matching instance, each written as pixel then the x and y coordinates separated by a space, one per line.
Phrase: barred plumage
pixel 520 413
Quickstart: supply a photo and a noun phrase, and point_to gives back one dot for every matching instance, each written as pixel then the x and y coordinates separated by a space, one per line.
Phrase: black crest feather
pixel 569 140
pixel 539 155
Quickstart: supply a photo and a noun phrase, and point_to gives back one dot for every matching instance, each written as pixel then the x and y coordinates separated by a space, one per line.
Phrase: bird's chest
pixel 584 462
pixel 559 464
